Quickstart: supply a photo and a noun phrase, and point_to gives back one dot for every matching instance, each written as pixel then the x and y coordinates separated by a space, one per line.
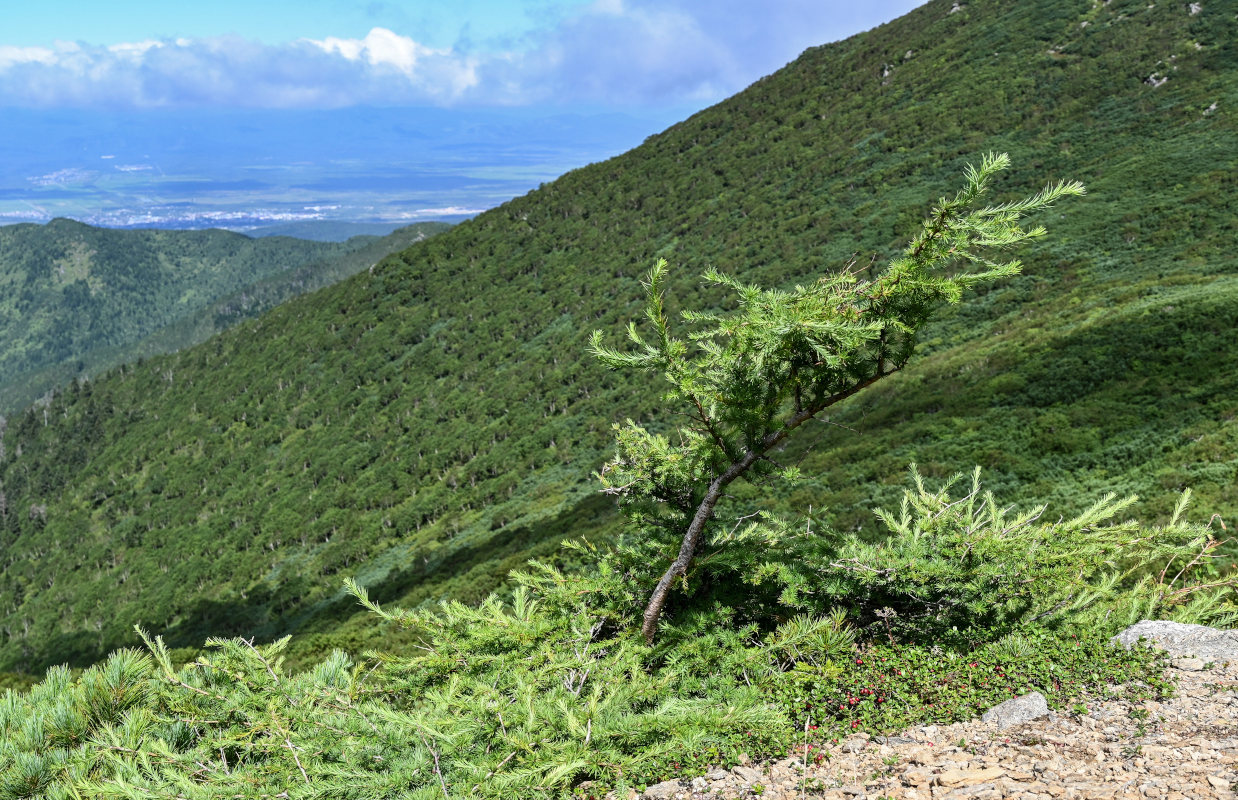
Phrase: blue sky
pixel 336 53
pixel 437 24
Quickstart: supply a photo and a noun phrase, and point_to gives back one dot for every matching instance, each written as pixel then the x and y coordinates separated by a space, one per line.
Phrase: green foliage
pixel 523 700
pixel 428 425
pixel 432 424
pixel 961 562
pixel 887 688
pixel 783 358
pixel 531 698
pixel 78 299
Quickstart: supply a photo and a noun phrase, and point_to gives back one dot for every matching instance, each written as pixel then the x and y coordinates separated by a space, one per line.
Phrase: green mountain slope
pixel 431 423
pixel 75 299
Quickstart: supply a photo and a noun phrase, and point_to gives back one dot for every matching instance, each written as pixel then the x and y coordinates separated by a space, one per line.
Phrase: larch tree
pixel 747 379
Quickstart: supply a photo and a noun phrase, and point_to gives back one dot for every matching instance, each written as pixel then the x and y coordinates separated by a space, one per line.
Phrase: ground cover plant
pixel 767 627
pixel 887 687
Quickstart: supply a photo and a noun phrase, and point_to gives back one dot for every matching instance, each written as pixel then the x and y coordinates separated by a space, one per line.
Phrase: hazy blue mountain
pixel 323 230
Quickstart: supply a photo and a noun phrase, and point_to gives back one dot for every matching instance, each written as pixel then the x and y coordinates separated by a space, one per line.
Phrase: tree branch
pixel 705 510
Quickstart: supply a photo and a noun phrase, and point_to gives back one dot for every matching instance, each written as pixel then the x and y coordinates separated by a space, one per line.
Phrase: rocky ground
pixel 1184 747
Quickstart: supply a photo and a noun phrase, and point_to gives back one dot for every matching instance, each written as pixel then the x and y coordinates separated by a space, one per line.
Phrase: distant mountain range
pixel 76 299
pixel 323 231
pixel 431 423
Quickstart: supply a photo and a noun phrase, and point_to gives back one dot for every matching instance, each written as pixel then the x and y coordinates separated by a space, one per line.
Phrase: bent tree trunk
pixel 705 511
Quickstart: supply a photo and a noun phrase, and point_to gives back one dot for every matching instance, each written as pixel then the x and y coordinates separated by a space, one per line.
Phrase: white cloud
pixel 440 72
pixel 10 55
pixel 351 49
pixel 133 50
pixel 633 52
pixel 612 52
pixel 381 47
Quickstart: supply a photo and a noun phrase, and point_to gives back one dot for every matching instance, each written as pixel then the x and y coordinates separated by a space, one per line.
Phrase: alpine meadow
pixel 931 397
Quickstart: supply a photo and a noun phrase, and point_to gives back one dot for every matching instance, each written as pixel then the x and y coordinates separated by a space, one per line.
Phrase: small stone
pixel 1188 664
pixel 982 791
pixel 748 774
pixel 666 790
pixel 967 777
pixel 1017 711
pixel 717 775
pixel 1218 783
pixel 699 784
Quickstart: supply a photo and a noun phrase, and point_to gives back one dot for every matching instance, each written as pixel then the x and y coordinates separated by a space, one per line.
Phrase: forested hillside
pixel 75 299
pixel 427 425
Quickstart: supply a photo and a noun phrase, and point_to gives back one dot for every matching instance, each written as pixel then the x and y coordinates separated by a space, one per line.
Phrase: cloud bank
pixel 613 52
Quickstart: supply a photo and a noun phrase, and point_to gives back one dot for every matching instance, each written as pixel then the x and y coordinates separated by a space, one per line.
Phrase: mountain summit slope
pixel 429 424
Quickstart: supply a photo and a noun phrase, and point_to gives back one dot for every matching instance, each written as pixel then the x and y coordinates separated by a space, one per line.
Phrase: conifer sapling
pixel 749 378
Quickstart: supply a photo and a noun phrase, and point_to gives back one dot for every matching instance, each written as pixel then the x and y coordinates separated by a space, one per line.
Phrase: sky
pixel 338 53
pixel 239 112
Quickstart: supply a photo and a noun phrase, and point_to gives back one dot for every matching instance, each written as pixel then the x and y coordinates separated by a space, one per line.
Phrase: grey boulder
pixel 1017 711
pixel 748 775
pixel 666 790
pixel 1182 640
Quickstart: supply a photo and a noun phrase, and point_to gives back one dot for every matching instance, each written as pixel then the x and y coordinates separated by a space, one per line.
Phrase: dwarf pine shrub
pixel 954 558
pixel 525 699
